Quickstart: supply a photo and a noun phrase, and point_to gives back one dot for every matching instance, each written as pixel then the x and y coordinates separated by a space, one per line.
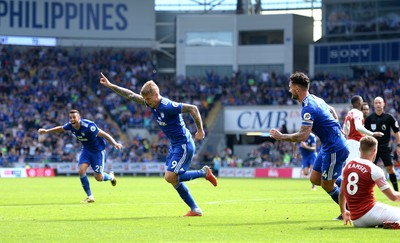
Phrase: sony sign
pixel 348 53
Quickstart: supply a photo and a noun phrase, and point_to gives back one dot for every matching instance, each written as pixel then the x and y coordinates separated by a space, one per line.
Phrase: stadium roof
pixel 230 5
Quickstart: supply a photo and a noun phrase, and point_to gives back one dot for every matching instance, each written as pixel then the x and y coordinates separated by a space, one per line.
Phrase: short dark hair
pixel 355 99
pixel 364 104
pixel 74 111
pixel 300 79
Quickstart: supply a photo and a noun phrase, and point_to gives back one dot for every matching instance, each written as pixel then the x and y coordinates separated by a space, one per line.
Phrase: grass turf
pixel 147 209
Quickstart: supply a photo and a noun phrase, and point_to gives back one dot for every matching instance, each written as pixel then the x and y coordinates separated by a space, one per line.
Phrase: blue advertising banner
pixel 357 53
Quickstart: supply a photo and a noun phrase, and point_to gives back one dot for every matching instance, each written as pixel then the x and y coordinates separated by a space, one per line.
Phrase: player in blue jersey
pixel 168 115
pixel 93 152
pixel 308 150
pixel 321 119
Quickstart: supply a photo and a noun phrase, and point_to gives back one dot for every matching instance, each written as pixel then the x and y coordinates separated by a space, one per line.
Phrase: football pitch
pixel 147 209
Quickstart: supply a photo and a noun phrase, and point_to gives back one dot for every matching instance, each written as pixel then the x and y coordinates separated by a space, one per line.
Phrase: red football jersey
pixel 353 117
pixel 359 179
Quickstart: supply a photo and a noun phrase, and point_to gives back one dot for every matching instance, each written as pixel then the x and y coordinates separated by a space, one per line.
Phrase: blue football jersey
pixel 87 135
pixel 316 113
pixel 311 140
pixel 169 118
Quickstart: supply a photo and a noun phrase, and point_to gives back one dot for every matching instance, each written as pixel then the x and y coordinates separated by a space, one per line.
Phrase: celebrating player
pixel 93 149
pixel 321 119
pixel 168 115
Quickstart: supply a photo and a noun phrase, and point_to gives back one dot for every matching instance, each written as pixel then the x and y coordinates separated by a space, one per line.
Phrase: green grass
pixel 147 209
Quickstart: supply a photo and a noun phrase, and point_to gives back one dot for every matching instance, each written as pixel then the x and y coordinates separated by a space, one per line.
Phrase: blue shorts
pixel 180 157
pixel 330 165
pixel 95 160
pixel 308 160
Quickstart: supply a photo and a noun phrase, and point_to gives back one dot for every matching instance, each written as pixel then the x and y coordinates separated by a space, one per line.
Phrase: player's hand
pixel 42 131
pixel 104 81
pixel 118 146
pixel 199 135
pixel 347 218
pixel 276 134
pixel 377 134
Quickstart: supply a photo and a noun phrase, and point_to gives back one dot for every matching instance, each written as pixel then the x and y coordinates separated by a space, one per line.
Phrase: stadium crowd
pixel 38 86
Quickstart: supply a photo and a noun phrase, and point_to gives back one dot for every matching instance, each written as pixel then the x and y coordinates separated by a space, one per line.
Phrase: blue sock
pixel 335 194
pixel 183 191
pixel 190 175
pixel 85 185
pixel 106 177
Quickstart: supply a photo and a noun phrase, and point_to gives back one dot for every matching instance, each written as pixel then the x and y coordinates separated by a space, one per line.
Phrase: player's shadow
pixel 36 204
pixel 259 223
pixel 107 219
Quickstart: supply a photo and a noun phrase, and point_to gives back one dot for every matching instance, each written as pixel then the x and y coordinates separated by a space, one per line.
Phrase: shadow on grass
pixel 107 219
pixel 259 223
pixel 40 204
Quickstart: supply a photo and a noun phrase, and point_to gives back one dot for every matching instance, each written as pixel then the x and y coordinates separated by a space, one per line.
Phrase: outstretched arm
pixel 194 112
pixel 299 136
pixel 109 139
pixel 126 93
pixel 51 130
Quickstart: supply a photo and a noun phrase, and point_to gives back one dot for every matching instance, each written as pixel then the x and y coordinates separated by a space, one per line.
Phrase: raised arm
pixel 51 130
pixel 194 112
pixel 126 93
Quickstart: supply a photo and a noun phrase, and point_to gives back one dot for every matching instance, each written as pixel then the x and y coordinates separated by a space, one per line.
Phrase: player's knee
pixel 170 178
pixel 98 177
pixel 315 181
pixel 390 169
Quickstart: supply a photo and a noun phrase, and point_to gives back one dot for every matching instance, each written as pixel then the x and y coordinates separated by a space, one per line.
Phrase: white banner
pixel 236 172
pixel 246 119
pixel 99 20
pixel 129 168
pixel 13 172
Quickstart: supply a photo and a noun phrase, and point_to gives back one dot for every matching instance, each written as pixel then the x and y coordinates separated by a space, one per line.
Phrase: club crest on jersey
pixel 162 115
pixel 174 104
pixel 373 127
pixel 92 128
pixel 306 116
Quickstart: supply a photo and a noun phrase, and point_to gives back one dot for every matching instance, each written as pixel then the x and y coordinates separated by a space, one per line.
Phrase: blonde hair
pixel 367 143
pixel 150 87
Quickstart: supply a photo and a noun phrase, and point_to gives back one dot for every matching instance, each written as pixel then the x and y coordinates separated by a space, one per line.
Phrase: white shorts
pixel 354 149
pixel 377 215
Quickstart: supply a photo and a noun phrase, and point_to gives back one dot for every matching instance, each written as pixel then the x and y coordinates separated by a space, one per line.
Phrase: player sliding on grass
pixel 168 115
pixel 360 176
pixel 93 149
